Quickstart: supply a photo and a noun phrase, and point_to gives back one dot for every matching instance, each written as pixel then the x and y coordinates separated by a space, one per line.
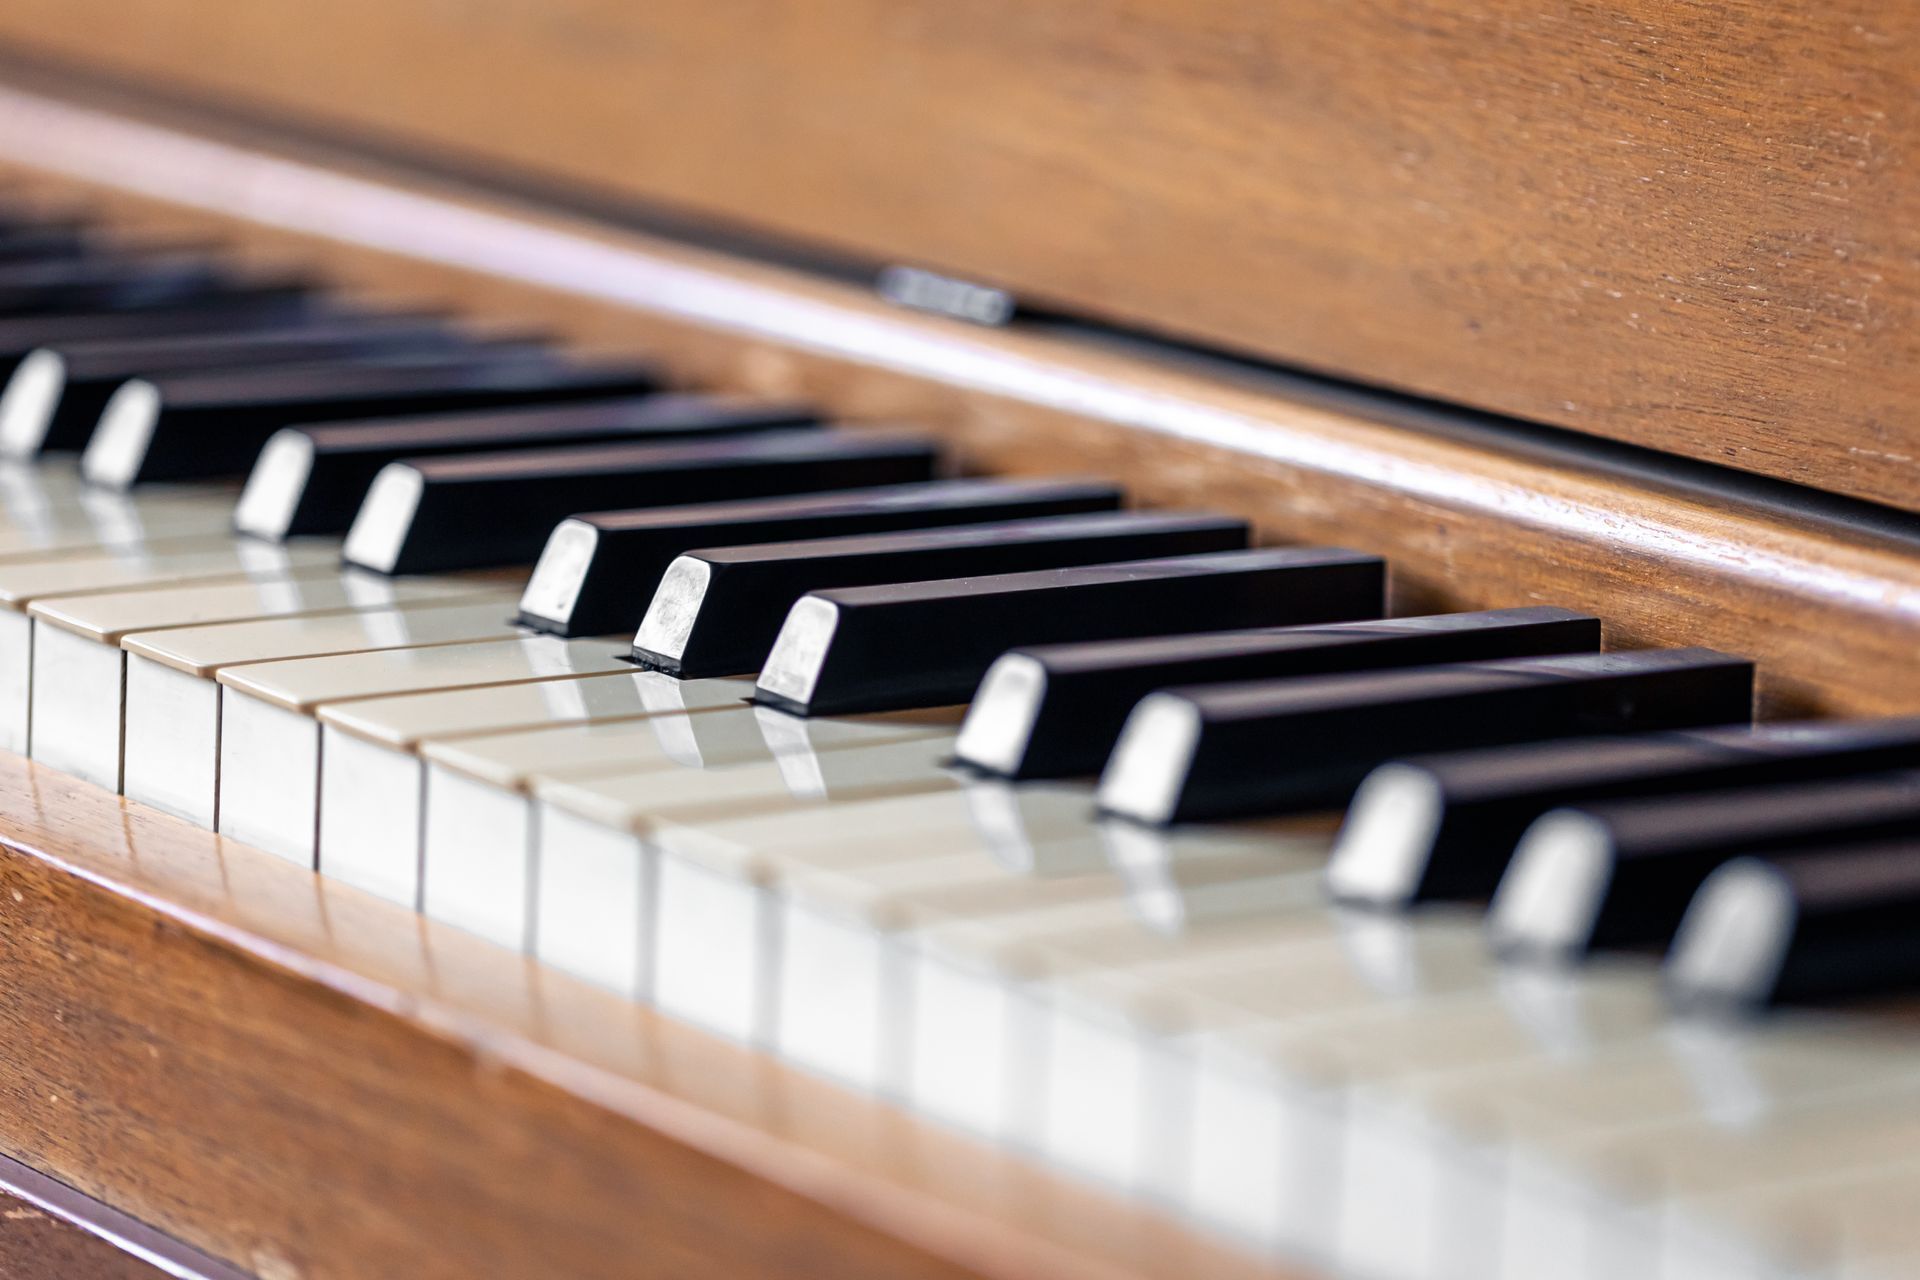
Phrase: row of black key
pixel 1156 649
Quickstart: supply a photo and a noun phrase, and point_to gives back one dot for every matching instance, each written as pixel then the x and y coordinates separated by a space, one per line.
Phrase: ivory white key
pixel 1335 1075
pixel 373 789
pixel 173 718
pixel 52 490
pixel 976 1065
pixel 719 736
pixel 25 582
pixel 1576 1142
pixel 611 863
pixel 1653 1180
pixel 270 740
pixel 1855 1223
pixel 478 847
pixel 93 520
pixel 842 1005
pixel 79 672
pixel 1123 1023
pixel 1278 1064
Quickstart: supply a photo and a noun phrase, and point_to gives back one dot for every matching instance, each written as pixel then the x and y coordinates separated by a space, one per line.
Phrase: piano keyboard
pixel 984 796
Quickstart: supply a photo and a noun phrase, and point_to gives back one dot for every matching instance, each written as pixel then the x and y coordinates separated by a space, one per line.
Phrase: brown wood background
pixel 1688 223
pixel 1829 610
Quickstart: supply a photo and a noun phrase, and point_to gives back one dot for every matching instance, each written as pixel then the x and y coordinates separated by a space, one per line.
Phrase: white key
pixel 373 814
pixel 270 750
pixel 703 947
pixel 23 583
pixel 710 739
pixel 1854 1223
pixel 96 520
pixel 472 865
pixel 78 684
pixel 841 920
pixel 173 715
pixel 1595 1136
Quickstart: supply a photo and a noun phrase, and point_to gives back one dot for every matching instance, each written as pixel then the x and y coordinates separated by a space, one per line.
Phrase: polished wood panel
pixel 1468 520
pixel 309 1082
pixel 49 1231
pixel 1692 225
pixel 36 1245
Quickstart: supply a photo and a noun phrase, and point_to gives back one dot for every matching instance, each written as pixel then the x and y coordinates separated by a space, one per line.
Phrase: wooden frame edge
pixel 1831 612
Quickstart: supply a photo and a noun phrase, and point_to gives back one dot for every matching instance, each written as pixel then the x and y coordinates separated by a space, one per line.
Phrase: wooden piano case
pixel 1681 227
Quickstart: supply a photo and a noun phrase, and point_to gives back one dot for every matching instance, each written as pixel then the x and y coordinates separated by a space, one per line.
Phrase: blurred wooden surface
pixel 35 1245
pixel 1693 224
pixel 1469 517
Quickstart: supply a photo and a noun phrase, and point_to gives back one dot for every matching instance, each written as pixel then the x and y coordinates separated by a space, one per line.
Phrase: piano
pixel 1094 640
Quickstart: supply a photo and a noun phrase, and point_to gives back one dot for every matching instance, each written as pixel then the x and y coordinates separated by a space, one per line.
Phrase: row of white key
pixel 1177 1017
pixel 886 943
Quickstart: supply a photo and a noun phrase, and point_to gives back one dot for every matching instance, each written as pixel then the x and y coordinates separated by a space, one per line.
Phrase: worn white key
pixel 707 960
pixel 478 845
pixel 843 1002
pixel 1810 1186
pixel 270 746
pixel 22 583
pixel 95 520
pixel 1587 1138
pixel 1854 1223
pixel 716 737
pixel 1336 1073
pixel 173 716
pixel 1126 1098
pixel 49 492
pixel 79 676
pixel 373 811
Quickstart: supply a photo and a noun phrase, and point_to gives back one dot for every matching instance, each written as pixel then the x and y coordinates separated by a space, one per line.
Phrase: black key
pixel 477 510
pixel 107 282
pixel 925 644
pixel 235 309
pixel 1282 746
pixel 1444 827
pixel 58 392
pixel 1619 874
pixel 311 480
pixel 194 426
pixel 718 610
pixel 1815 927
pixel 37 242
pixel 1056 711
pixel 598 571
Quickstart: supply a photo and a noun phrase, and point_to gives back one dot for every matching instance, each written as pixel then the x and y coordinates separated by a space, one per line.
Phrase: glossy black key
pixel 35 242
pixel 239 308
pixel 1281 746
pixel 718 610
pixel 1620 874
pixel 926 644
pixel 598 572
pixel 56 395
pixel 194 426
pixel 311 480
pixel 1055 711
pixel 470 511
pixel 1821 926
pixel 107 282
pixel 1444 827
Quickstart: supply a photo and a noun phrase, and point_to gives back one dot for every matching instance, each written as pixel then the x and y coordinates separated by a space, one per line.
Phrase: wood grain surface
pixel 311 1083
pixel 1694 224
pixel 1468 519
pixel 36 1245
